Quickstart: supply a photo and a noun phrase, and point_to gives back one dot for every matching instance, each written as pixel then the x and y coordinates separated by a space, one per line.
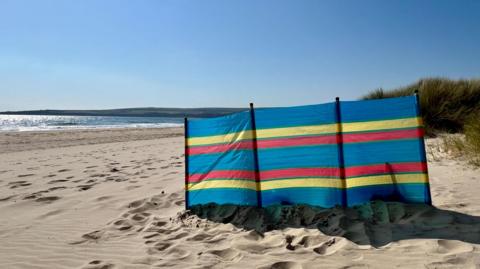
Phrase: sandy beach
pixel 114 199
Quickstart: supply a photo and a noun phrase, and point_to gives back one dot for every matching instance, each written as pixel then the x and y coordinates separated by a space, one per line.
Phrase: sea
pixel 25 123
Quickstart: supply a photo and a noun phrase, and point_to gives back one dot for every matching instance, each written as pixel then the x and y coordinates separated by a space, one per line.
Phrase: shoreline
pixel 16 141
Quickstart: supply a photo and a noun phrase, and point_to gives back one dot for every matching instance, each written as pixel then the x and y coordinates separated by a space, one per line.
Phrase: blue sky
pixel 109 54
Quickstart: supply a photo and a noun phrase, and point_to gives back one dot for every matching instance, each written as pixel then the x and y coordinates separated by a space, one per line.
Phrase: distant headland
pixel 134 112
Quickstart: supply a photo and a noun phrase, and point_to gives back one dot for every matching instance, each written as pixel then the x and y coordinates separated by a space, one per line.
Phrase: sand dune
pixel 85 203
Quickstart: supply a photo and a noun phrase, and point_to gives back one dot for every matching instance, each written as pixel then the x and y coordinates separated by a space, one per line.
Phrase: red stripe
pixel 228 174
pixel 312 172
pixel 300 172
pixel 270 143
pixel 388 135
pixel 220 148
pixel 384 168
pixel 308 140
pixel 297 141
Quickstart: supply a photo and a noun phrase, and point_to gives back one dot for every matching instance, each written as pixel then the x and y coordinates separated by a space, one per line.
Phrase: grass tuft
pixel 446 104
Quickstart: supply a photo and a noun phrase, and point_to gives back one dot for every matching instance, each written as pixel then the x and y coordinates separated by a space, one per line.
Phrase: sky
pixel 91 54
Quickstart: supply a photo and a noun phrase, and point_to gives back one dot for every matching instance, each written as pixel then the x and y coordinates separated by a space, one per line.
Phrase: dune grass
pixel 448 106
pixel 472 138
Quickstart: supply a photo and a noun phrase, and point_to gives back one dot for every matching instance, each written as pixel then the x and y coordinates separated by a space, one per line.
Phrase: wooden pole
pixel 186 161
pixel 341 159
pixel 422 141
pixel 255 156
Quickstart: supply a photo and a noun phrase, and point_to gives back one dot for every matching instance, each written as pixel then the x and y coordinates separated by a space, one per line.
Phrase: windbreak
pixel 340 153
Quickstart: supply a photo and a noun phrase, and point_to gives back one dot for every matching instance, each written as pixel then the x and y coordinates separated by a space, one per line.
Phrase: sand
pixel 115 199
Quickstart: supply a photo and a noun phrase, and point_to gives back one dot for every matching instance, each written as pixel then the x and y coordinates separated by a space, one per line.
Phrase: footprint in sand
pixel 16 184
pixel 4 199
pixel 175 253
pixel 97 264
pixel 200 237
pixel 357 266
pixel 85 187
pixel 57 188
pixel 451 247
pixel 179 203
pixel 451 262
pixel 103 198
pixel 331 246
pixel 51 213
pixel 92 236
pixel 57 181
pixel 227 254
pixel 310 240
pixel 47 199
pixel 99 175
pixel 283 265
pixel 161 246
pixel 26 175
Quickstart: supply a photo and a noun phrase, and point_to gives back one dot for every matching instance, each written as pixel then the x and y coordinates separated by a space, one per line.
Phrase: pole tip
pixel 416 92
pixel 251 105
pixel 337 98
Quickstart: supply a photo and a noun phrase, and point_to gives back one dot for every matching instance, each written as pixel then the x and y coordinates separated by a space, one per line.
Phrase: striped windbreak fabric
pixel 341 153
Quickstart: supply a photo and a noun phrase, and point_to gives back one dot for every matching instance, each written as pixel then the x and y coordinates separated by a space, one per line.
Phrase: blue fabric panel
pixel 381 109
pixel 232 123
pixel 298 157
pixel 236 159
pixel 230 160
pixel 223 196
pixel 382 152
pixel 294 116
pixel 407 193
pixel 323 197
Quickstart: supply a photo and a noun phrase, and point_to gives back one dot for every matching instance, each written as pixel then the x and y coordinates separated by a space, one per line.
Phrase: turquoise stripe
pixel 417 193
pixel 222 196
pixel 323 197
pixel 380 109
pixel 230 160
pixel 383 151
pixel 266 118
pixel 298 157
pixel 232 123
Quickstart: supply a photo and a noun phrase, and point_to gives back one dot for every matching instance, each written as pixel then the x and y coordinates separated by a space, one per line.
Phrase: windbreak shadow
pixel 376 223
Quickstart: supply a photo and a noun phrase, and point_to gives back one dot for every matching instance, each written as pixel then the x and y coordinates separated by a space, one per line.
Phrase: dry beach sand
pixel 115 199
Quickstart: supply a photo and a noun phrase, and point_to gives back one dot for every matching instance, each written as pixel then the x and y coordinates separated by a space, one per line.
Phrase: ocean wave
pixel 10 123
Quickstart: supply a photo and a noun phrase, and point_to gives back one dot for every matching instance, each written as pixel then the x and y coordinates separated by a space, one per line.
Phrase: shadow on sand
pixel 376 223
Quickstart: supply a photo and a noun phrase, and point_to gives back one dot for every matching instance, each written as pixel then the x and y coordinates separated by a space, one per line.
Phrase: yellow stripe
pixel 220 139
pixel 311 182
pixel 264 133
pixel 387 179
pixel 211 184
pixel 381 125
pixel 299 130
pixel 301 182
pixel 306 130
